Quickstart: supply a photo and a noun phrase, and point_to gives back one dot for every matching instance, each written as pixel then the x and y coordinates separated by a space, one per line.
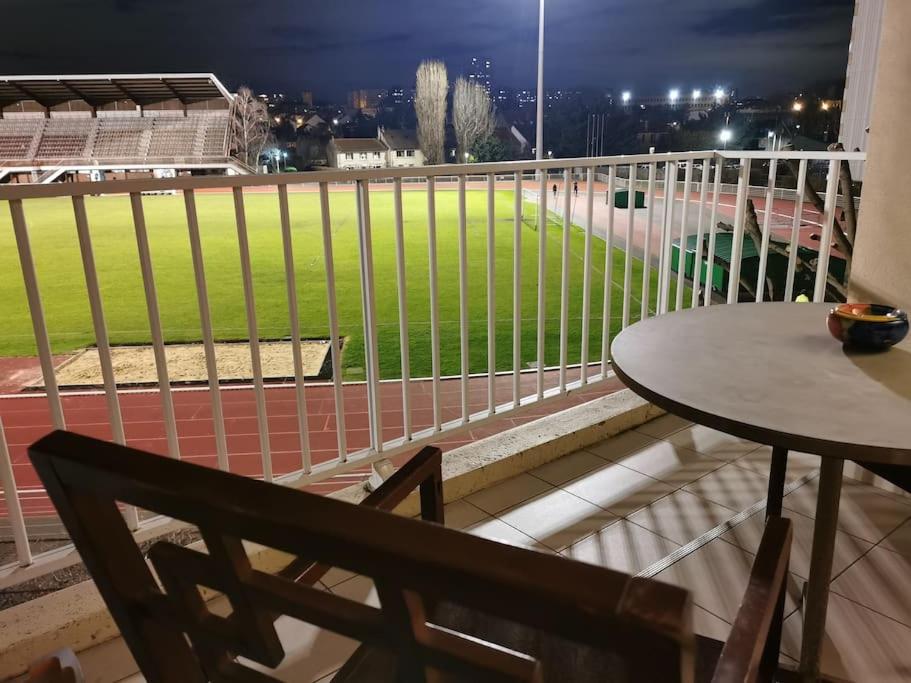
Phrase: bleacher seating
pixel 65 138
pixel 173 137
pixel 17 137
pixel 120 138
pixel 215 136
pixel 131 139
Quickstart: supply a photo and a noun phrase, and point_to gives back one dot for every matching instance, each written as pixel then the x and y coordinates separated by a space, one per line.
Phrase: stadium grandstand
pixel 101 127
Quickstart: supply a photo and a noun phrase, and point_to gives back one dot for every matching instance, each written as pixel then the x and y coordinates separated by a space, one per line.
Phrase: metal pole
pixel 539 137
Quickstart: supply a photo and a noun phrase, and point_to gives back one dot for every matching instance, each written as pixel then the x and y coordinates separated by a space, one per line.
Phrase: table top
pixel 771 373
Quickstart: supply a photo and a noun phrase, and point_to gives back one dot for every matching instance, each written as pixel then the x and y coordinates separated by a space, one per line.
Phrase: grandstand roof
pixel 100 89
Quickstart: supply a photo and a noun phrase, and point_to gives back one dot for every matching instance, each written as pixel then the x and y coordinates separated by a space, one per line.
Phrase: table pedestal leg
pixel 777 473
pixel 814 622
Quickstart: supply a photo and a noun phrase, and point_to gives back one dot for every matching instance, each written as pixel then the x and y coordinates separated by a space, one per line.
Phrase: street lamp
pixel 539 133
pixel 626 96
pixel 725 136
pixel 797 106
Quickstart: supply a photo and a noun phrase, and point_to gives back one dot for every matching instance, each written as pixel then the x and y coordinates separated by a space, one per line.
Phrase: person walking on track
pixel 575 188
pixel 555 192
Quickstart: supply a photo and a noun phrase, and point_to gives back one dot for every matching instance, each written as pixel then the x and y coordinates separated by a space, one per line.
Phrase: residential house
pixel 403 149
pixel 357 153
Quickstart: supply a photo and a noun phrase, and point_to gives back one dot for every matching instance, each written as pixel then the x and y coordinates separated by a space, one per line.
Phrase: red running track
pixel 27 417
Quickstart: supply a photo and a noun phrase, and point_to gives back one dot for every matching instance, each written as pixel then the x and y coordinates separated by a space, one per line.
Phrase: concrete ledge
pixel 76 617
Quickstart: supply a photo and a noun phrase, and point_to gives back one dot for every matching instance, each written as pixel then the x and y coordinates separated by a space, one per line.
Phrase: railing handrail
pixel 32 191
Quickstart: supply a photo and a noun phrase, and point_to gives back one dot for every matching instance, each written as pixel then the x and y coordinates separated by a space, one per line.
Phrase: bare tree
pixel 250 126
pixel 472 115
pixel 430 106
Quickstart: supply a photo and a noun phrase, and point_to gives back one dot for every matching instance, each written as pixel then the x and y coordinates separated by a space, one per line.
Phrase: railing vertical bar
pixel 434 301
pixel 608 270
pixel 151 296
pixel 491 297
pixel 684 234
pixel 517 292
pixel 587 271
pixel 403 306
pixel 628 256
pixel 743 186
pixel 766 231
pixel 259 391
pixel 542 274
pixel 795 231
pixel 463 298
pixel 208 338
pixel 98 322
pixel 564 278
pixel 828 225
pixel 700 230
pixel 664 275
pixel 36 310
pixel 101 335
pixel 334 340
pixel 368 303
pixel 647 246
pixel 13 506
pixel 294 319
pixel 713 231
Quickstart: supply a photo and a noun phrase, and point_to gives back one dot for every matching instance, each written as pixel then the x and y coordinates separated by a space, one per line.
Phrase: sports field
pixel 57 257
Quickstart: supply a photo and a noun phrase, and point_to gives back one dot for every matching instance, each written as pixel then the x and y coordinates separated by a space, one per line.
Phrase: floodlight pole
pixel 539 137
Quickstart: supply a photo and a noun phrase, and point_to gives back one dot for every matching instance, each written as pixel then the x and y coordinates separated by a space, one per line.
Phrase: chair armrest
pixel 423 471
pixel 751 650
pixel 61 666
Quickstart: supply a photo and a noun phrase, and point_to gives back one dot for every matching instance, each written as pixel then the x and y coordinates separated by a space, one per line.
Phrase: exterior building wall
pixel 880 270
pixel 358 160
pixel 863 57
pixel 408 158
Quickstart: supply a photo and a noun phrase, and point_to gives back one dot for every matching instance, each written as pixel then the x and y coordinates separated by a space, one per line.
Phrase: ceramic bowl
pixel 868 326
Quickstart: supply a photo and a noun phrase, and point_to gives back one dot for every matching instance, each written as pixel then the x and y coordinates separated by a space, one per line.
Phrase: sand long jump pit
pixel 135 365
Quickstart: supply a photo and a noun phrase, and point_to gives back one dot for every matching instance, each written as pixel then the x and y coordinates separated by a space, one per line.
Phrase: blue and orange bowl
pixel 868 326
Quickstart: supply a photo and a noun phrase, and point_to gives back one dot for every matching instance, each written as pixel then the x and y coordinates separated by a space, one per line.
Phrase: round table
pixel 771 373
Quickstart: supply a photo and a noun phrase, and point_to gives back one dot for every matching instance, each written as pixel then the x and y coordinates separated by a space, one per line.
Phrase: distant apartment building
pixel 307 98
pixel 689 100
pixel 403 150
pixel 479 72
pixel 399 96
pixel 368 101
pixel 357 153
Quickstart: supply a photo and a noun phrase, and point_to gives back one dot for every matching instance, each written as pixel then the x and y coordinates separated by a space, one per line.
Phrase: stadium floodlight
pixel 770 134
pixel 674 94
pixel 697 93
pixel 719 94
pixel 626 96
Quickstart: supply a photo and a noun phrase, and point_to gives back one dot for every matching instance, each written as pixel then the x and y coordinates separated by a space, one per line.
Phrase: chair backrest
pixel 415 566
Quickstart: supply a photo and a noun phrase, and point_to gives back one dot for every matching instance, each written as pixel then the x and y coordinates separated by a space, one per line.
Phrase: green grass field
pixel 62 283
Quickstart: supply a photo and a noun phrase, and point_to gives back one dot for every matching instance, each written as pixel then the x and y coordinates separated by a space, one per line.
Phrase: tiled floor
pixel 630 501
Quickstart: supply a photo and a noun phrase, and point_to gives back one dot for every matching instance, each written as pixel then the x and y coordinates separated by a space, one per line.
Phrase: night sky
pixel 332 46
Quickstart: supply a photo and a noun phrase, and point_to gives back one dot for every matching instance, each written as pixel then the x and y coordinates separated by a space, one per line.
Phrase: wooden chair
pixel 454 607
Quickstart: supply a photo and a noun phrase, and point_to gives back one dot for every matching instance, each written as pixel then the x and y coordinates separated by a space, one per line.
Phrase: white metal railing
pixel 647 236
